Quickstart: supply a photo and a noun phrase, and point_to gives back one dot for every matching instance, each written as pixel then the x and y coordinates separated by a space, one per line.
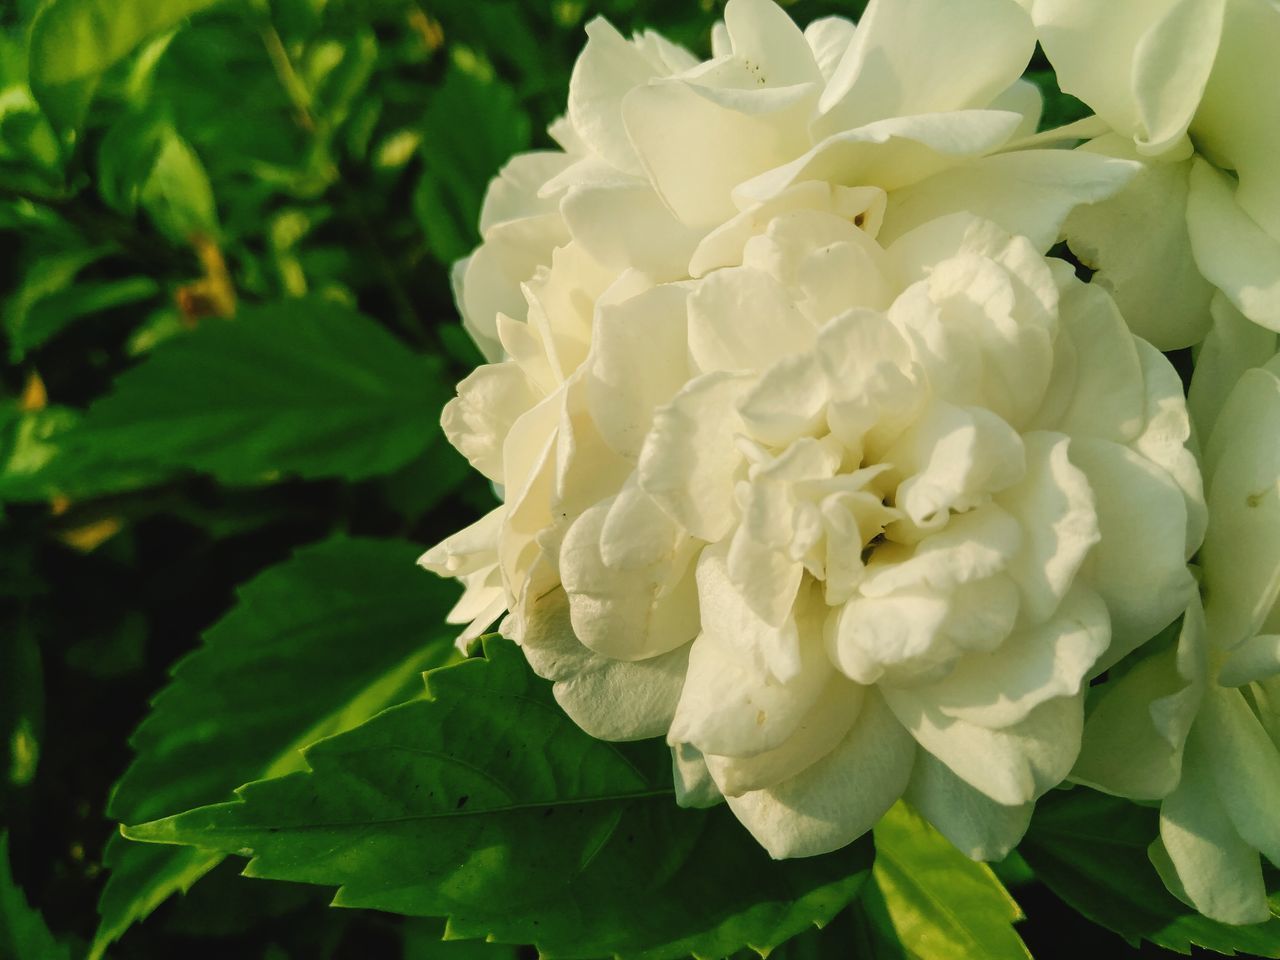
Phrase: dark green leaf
pixel 300 386
pixel 48 316
pixel 1059 108
pixel 316 645
pixel 941 904
pixel 1091 850
pixel 485 803
pixel 21 703
pixel 471 127
pixel 23 933
pixel 73 42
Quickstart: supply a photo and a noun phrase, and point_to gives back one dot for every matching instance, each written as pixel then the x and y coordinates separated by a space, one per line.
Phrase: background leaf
pixel 23 933
pixel 315 646
pixel 73 42
pixel 486 804
pixel 302 386
pixel 1091 850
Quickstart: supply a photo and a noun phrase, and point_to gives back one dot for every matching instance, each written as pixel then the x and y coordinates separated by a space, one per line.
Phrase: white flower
pixel 1196 725
pixel 843 489
pixel 669 167
pixel 1192 87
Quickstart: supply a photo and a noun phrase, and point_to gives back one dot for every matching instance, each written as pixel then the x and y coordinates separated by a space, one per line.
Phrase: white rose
pixel 1192 87
pixel 1196 725
pixel 669 167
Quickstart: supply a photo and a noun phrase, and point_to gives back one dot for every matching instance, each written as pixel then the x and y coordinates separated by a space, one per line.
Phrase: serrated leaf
pixel 315 646
pixel 1091 850
pixel 308 387
pixel 940 904
pixel 73 42
pixel 486 804
pixel 23 932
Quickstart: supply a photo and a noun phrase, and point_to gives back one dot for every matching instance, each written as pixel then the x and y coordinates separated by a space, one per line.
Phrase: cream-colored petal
pixel 1233 252
pixel 1027 192
pixel 838 799
pixel 1233 345
pixel 1138 245
pixel 609 699
pixel 1012 766
pixel 979 827
pixel 1137 726
pixel 926 56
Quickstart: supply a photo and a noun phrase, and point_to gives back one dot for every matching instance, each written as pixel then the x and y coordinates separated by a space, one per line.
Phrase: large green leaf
pixel 300 386
pixel 73 42
pixel 315 646
pixel 486 804
pixel 23 933
pixel 935 902
pixel 1091 850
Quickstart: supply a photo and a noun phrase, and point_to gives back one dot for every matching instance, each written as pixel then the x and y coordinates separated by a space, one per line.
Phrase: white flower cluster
pixel 812 463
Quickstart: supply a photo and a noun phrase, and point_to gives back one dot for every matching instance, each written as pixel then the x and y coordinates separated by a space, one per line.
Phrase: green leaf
pixel 300 386
pixel 485 803
pixel 177 194
pixel 471 127
pixel 22 930
pixel 73 42
pixel 1059 108
pixel 315 646
pixel 50 315
pixel 939 904
pixel 1091 850
pixel 22 706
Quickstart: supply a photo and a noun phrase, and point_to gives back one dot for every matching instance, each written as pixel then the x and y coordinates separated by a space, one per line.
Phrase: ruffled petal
pixel 839 798
pixel 979 827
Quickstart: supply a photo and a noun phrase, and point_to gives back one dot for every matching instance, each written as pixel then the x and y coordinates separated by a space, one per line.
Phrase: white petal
pixel 979 827
pixel 514 193
pixel 727 615
pixel 1220 873
pixel 764 36
pixel 637 363
pixel 820 732
pixel 1036 664
pixel 1139 565
pixel 607 69
pixel 1027 192
pixel 889 154
pixel 743 319
pixel 470 549
pixel 609 699
pixel 732 706
pixel 1141 66
pixel 488 282
pixel 629 614
pixel 1233 345
pixel 1054 506
pixel 1138 245
pixel 1232 251
pixel 697 143
pixel 1255 660
pixel 926 56
pixel 1097 388
pixel 626 225
pixel 1241 553
pixel 1137 727
pixel 1238 123
pixel 693 783
pixel 837 799
pixel 690 458
pixel 1012 766
pixel 478 420
pixel 829 37
pixel 1246 768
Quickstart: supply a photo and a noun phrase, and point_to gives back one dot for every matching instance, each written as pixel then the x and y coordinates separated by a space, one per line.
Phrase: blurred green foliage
pixel 228 330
